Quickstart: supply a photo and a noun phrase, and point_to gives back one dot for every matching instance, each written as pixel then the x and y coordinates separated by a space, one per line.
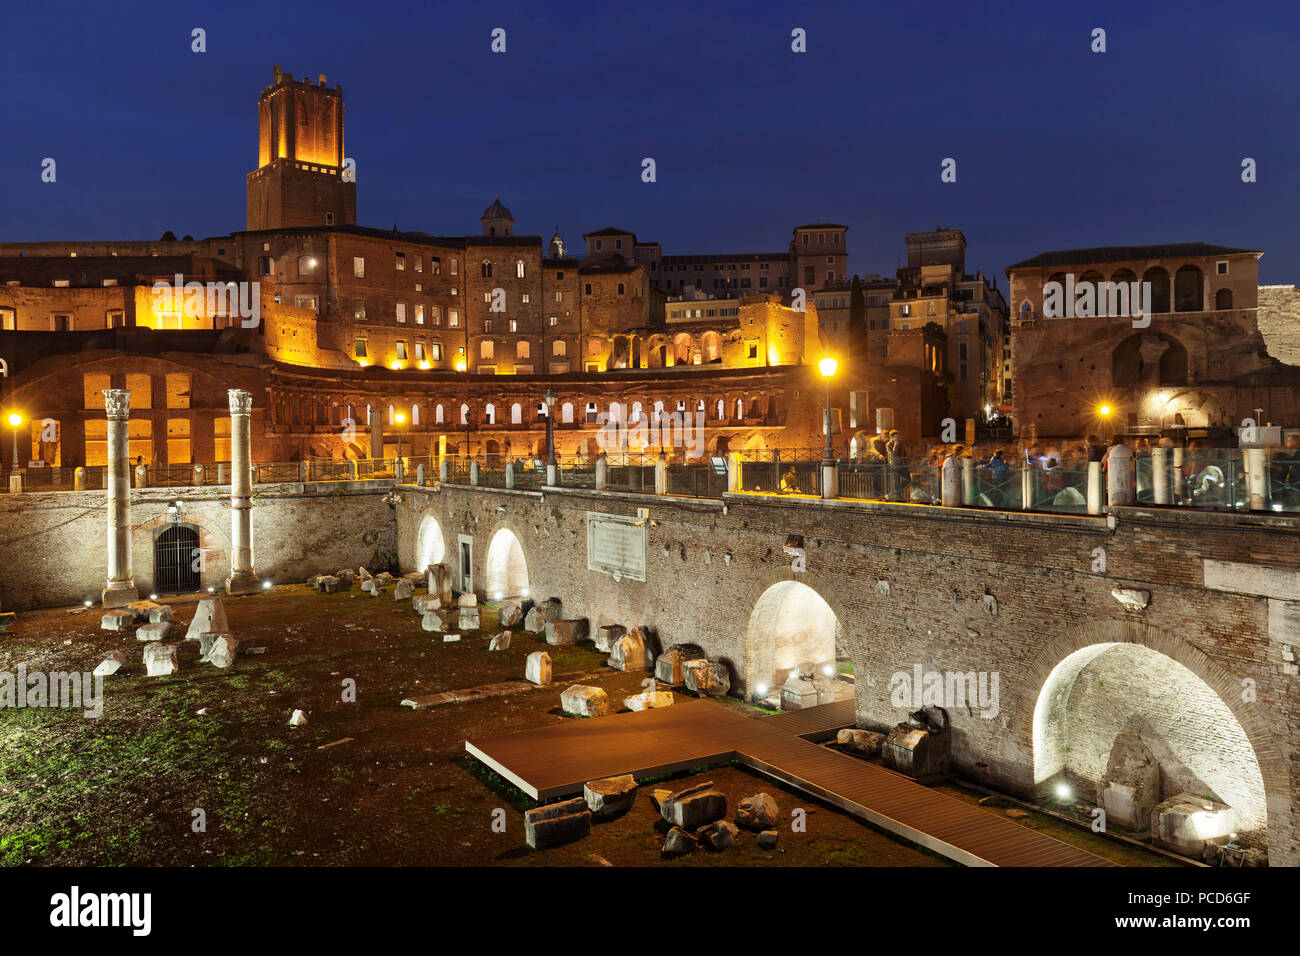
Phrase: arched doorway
pixel 790 624
pixel 1106 704
pixel 430 548
pixel 506 571
pixel 176 560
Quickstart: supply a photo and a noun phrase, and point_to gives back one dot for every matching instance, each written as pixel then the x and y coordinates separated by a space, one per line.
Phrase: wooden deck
pixel 556 761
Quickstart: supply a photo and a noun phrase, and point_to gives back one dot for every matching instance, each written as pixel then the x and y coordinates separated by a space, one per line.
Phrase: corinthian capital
pixel 241 402
pixel 117 403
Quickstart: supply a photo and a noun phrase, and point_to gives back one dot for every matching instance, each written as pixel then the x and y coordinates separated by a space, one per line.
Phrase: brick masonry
pixel 1195 645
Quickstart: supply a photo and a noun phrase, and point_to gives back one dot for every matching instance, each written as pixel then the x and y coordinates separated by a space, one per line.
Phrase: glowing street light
pixel 460 363
pixel 828 367
pixel 15 419
pixel 399 419
pixel 1104 411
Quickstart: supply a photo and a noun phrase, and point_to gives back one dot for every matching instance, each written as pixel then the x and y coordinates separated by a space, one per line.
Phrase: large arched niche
pixel 1111 677
pixel 505 569
pixel 790 623
pixel 430 546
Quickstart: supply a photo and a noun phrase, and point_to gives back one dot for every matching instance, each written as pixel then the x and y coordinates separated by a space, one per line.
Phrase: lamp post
pixel 551 465
pixel 830 479
pixel 399 418
pixel 15 420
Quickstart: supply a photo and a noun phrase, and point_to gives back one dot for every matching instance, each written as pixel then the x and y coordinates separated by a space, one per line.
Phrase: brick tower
pixel 299 180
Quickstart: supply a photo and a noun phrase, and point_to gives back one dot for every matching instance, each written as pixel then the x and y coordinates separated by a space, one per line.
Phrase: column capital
pixel 241 401
pixel 117 403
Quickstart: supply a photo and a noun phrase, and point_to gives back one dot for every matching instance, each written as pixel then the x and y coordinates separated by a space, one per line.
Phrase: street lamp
pixel 550 437
pixel 830 477
pixel 399 418
pixel 15 420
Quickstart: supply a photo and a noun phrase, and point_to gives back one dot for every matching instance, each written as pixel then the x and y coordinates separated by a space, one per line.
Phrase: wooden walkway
pixel 556 761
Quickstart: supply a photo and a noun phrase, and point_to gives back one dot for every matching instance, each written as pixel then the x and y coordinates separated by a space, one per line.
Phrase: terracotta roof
pixel 1175 250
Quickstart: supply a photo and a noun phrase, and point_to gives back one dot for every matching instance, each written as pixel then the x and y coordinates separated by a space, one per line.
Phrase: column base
pixel 120 596
pixel 243 582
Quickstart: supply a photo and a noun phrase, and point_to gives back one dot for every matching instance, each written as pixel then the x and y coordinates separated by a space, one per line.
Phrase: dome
pixel 497 211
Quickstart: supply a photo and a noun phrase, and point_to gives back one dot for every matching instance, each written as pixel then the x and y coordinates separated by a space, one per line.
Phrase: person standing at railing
pixel 997 470
pixel 790 482
pixel 898 462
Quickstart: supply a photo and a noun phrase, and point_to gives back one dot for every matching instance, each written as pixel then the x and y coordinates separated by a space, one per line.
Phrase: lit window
pixel 519 268
pixel 361 348
pixel 453 318
pixel 401 312
pixel 401 349
pixel 419 314
pixel 359 267
pixel 401 262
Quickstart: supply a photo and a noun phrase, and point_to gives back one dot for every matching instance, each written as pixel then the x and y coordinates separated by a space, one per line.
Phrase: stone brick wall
pixel 1279 322
pixel 54 543
pixel 958 591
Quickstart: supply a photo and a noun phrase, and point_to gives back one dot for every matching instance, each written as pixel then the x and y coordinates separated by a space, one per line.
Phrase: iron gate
pixel 176 561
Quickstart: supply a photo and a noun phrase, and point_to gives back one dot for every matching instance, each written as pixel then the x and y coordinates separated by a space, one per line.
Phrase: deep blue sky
pixel 1056 147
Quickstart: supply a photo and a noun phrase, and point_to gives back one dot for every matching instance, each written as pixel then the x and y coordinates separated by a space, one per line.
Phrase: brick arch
pixel 215 540
pixel 481 552
pixel 753 654
pixel 1272 763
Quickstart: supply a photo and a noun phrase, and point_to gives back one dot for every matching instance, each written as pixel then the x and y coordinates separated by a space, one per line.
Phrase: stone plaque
pixel 616 545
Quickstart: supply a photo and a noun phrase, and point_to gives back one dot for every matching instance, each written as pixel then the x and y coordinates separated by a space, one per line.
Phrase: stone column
pixel 1026 486
pixel 661 475
pixel 1256 464
pixel 376 432
pixel 968 481
pixel 1119 476
pixel 120 588
pixel 950 476
pixel 1095 493
pixel 602 471
pixel 735 478
pixel 242 580
pixel 1160 475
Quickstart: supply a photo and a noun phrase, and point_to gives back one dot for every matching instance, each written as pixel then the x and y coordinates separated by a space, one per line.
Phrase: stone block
pixel 630 653
pixel 915 751
pixel 670 665
pixel 223 652
pixel 758 812
pixel 679 842
pixel 110 664
pixel 557 823
pixel 1186 823
pixel 767 840
pixel 468 618
pixel 403 590
pixel 584 701
pixel 537 668
pixel 607 636
pixel 210 615
pixel 423 603
pixel 500 642
pixel 431 621
pixel 6 620
pixel 649 700
pixel 707 678
pixel 695 806
pixel 467 599
pixel 117 621
pixel 868 743
pixel 160 660
pixel 609 796
pixel 150 611
pixel 566 631
pixel 153 632
pixel 329 584
pixel 510 615
pixel 1130 788
pixel 207 639
pixel 535 621
pixel 440 583
pixel 717 835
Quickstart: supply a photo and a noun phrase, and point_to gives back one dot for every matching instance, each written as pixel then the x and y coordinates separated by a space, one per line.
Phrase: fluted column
pixel 120 588
pixel 242 580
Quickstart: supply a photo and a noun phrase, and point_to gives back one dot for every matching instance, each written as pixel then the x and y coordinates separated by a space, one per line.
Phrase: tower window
pixel 359 267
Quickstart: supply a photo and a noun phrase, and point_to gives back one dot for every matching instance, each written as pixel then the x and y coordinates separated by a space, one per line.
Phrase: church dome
pixel 497 211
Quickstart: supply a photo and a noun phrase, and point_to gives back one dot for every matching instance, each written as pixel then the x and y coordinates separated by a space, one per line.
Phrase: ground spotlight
pixel 1063 791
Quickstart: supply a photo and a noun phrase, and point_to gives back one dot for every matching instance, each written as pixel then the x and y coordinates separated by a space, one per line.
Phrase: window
pixel 453 319
pixel 305 302
pixel 401 349
pixel 753 351
pixel 620 288
pixel 486 349
pixel 60 322
pixel 455 266
pixel 588 288
pixel 809 275
pixel 108 282
pixel 401 312
pixel 435 315
pixel 487 325
pixel 553 320
pixel 265 265
pixel 519 268
pixel 599 245
pixel 1221 268
pixel 359 267
pixel 419 262
pixel 419 351
pixel 526 300
pixel 401 262
pixel 830 260
pixel 115 319
pixel 435 353
pixel 559 297
pixel 905 309
pixel 306 265
pixel 514 325
pixel 485 269
pixel 419 314
pixel 963 371
pixel 435 266
pixel 360 348
pixel 962 351
pixel 558 349
pixel 8 320
pixel 522 349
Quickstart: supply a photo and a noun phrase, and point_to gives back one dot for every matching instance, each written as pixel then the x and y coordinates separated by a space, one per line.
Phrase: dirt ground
pixel 132 786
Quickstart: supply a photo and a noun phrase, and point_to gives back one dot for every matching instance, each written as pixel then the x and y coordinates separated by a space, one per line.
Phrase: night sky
pixel 1056 147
